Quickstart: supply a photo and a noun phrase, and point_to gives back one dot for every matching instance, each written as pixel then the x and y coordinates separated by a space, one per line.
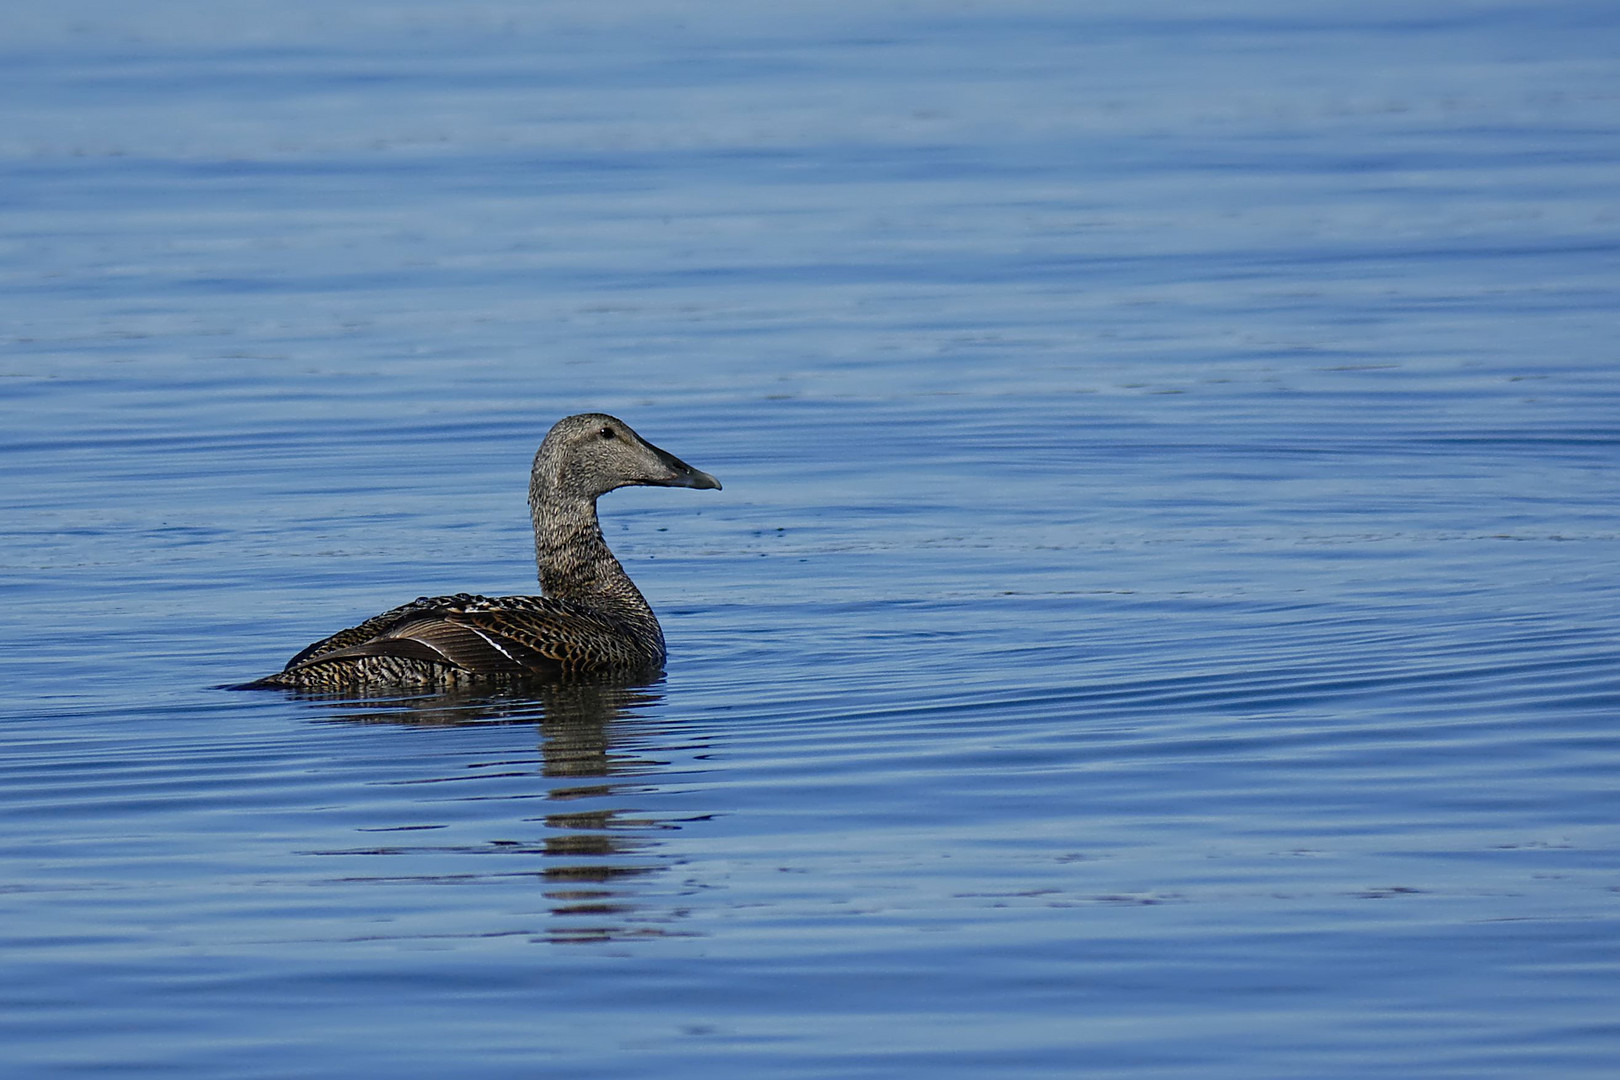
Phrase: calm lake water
pixel 1161 619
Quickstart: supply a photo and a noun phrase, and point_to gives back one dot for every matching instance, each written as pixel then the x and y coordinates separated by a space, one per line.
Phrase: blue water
pixel 1160 620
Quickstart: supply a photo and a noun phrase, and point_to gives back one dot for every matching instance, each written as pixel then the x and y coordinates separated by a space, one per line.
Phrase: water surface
pixel 1159 620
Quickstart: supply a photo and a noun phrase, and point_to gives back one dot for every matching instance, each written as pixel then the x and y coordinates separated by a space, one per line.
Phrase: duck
pixel 589 619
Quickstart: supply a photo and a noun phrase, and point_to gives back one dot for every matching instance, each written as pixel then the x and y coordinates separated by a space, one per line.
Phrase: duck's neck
pixel 575 563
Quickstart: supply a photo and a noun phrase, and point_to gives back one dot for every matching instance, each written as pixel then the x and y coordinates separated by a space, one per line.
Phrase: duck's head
pixel 591 454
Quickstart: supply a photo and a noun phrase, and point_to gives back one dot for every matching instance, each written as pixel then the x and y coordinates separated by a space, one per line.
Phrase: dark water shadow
pixel 598 854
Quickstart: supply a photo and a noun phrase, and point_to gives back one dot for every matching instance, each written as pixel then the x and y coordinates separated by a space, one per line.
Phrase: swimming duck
pixel 590 618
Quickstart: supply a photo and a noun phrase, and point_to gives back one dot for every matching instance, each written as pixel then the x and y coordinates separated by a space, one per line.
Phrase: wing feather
pixel 479 635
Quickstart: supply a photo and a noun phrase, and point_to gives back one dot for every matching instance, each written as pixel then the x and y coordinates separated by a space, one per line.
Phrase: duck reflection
pixel 591 850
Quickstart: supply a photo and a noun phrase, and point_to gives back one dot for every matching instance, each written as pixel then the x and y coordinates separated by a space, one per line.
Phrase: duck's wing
pixel 576 637
pixel 476 635
pixel 378 625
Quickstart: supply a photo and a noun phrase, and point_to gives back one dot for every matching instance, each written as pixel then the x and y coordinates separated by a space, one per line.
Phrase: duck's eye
pixel 606 433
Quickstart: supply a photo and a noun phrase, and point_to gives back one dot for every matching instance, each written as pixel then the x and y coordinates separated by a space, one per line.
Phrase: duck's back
pixel 438 641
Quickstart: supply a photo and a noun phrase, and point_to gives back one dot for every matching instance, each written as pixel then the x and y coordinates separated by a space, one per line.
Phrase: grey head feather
pixel 590 454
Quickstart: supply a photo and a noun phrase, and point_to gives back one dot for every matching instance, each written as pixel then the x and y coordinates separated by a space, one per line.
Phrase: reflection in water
pixel 589 852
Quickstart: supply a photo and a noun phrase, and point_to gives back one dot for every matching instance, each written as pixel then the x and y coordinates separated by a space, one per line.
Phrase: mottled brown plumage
pixel 591 618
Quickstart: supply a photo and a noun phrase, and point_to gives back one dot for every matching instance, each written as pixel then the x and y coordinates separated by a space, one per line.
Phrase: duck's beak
pixel 681 474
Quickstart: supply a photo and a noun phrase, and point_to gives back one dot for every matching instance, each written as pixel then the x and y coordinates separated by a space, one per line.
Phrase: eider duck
pixel 589 619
